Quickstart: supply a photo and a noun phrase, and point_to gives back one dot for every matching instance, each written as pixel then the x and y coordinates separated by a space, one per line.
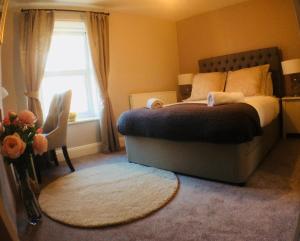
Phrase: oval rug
pixel 108 194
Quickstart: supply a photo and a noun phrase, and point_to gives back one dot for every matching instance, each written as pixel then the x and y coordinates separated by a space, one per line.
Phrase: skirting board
pixel 85 150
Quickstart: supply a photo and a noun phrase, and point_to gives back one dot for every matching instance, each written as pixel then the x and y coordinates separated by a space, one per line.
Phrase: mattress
pixel 267 107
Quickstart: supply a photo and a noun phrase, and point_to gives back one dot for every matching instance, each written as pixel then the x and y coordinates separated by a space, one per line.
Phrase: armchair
pixel 56 124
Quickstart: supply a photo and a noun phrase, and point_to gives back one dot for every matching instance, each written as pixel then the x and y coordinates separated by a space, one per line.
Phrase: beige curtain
pixel 97 28
pixel 36 30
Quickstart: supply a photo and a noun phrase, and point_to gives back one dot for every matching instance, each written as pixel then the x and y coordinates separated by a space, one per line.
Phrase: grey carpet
pixel 267 208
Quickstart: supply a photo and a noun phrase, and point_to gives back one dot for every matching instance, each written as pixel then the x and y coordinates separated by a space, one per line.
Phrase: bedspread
pixel 230 123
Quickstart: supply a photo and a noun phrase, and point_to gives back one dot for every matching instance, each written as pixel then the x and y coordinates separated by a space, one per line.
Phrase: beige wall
pixel 250 25
pixel 80 134
pixel 143 56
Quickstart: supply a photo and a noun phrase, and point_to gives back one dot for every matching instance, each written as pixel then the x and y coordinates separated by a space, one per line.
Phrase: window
pixel 69 67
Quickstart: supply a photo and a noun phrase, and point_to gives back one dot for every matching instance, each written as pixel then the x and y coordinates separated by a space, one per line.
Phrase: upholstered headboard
pixel 246 59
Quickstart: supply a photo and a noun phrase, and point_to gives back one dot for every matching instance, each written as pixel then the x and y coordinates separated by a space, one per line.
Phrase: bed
pixel 231 162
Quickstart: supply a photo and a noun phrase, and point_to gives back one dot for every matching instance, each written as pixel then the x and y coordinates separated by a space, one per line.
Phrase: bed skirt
pixel 232 163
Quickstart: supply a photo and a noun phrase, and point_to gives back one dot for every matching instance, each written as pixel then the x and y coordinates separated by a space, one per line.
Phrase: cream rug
pixel 108 194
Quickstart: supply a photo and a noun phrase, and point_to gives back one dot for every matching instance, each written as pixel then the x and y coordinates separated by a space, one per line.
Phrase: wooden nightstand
pixel 291 115
pixel 185 91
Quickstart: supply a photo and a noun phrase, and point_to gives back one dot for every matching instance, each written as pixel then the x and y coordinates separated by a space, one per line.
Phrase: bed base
pixel 232 163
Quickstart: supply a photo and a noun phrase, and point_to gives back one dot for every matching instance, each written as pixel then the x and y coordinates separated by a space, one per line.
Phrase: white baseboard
pixel 85 150
pixel 79 151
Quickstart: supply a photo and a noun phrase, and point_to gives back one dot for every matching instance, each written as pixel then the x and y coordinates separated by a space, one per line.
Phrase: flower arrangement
pixel 19 134
pixel 20 140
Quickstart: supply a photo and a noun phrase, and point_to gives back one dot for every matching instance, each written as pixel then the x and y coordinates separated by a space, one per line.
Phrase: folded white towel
pixel 154 103
pixel 219 98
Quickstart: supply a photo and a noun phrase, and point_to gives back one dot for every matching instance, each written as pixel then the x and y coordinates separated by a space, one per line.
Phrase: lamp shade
pixel 185 79
pixel 291 66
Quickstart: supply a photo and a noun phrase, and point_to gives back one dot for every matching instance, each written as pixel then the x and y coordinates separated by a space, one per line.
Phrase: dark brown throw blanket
pixel 230 123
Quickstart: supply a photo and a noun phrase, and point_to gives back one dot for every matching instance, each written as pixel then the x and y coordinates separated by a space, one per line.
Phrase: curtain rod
pixel 64 10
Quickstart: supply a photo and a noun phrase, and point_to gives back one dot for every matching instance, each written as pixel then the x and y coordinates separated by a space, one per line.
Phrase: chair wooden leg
pixel 67 158
pixel 48 158
pixel 54 157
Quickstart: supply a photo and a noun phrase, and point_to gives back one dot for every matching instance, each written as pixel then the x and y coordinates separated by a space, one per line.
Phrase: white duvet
pixel 267 107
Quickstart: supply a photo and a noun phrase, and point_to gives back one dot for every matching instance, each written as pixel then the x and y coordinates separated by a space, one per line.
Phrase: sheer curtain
pixel 35 36
pixel 97 28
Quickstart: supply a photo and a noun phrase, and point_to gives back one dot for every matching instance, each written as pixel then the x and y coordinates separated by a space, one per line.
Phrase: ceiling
pixel 169 9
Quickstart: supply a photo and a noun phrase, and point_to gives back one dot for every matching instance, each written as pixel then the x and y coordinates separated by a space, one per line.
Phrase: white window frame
pixel 90 85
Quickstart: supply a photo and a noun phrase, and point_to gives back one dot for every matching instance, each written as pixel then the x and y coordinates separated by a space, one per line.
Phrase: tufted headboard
pixel 246 59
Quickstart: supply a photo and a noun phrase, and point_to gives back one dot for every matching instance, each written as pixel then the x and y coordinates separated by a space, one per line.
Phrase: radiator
pixel 140 99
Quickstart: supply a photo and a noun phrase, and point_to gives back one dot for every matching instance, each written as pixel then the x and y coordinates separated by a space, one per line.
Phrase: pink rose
pixel 27 117
pixel 13 146
pixel 40 144
pixel 39 130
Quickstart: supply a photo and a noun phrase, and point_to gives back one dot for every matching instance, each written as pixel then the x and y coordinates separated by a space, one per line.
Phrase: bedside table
pixel 185 91
pixel 291 115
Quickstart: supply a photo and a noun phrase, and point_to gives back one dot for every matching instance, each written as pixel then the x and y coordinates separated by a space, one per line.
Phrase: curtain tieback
pixel 32 94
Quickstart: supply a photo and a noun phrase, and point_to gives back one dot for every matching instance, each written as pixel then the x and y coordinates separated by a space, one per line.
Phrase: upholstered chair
pixel 56 124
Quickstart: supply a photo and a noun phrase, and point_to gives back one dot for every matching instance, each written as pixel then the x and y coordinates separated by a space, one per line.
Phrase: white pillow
pixel 269 85
pixel 248 80
pixel 203 83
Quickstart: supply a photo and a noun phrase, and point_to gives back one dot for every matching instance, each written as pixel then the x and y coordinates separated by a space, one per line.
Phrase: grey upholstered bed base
pixel 232 163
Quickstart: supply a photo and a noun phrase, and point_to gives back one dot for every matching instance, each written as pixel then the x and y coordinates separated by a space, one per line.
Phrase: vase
pixel 28 197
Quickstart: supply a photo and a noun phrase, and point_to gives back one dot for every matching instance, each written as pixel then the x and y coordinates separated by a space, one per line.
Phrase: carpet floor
pixel 266 208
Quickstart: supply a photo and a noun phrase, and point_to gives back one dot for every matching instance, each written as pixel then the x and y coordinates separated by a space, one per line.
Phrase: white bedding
pixel 267 107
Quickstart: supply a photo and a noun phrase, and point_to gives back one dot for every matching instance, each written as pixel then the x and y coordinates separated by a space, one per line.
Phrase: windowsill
pixel 80 121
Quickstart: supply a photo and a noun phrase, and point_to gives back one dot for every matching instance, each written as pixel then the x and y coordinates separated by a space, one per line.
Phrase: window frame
pixel 87 73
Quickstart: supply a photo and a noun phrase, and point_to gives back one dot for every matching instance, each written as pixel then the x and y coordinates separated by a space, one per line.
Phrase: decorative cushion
pixel 203 83
pixel 248 80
